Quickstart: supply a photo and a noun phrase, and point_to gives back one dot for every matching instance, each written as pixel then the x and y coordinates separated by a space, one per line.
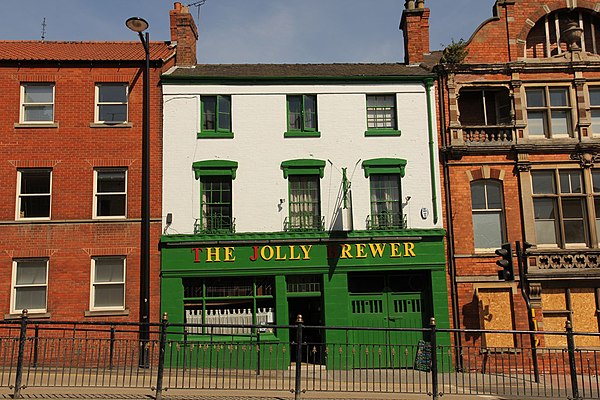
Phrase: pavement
pixel 90 393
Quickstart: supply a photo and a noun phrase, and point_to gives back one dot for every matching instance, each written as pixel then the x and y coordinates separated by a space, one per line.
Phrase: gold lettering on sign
pixel 212 252
pixel 229 257
pixel 346 251
pixel 305 251
pixel 395 250
pixel 360 250
pixel 408 250
pixel 266 253
pixel 293 253
pixel 377 249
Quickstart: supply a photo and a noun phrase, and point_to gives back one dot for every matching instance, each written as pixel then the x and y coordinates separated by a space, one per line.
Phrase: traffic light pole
pixel 522 265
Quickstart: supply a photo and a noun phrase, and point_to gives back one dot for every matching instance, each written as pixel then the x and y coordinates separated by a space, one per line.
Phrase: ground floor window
pixel 229 300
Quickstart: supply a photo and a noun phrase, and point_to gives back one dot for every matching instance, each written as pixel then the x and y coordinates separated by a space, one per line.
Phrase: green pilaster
pixel 439 294
pixel 336 301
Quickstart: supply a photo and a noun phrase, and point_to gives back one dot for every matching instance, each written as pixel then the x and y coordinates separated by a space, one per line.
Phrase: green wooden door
pixel 383 348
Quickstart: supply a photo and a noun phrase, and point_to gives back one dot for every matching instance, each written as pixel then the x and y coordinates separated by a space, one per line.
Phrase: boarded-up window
pixel 495 312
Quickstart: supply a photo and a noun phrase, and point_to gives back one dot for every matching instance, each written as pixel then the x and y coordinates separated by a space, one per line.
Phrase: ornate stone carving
pixel 586 160
pixel 568 261
pixel 535 294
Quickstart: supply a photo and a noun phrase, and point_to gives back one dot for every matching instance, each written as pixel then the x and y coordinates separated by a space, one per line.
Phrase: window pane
pixel 597 207
pixel 112 112
pixel 38 94
pixel 109 270
pixel 595 96
pixel 574 232
pixel 560 122
pixel 546 232
pixel 487 230
pixel 543 182
pixel 596 180
pixel 544 209
pixel 536 121
pixel 109 295
pixel 494 194
pixel 305 209
pixel 310 112
pixel 112 93
pixel 559 97
pixel 111 181
pixel 535 98
pixel 39 113
pixel 295 112
pixel 35 181
pixel 596 121
pixel 111 205
pixel 209 108
pixel 545 221
pixel 224 113
pixel 31 272
pixel 35 207
pixel 572 208
pixel 478 196
pixel 30 298
pixel 570 182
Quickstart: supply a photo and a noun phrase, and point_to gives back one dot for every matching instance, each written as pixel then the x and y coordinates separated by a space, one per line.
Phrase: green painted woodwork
pixel 308 166
pixel 384 166
pixel 302 114
pixel 215 114
pixel 215 168
pixel 382 132
pixel 301 134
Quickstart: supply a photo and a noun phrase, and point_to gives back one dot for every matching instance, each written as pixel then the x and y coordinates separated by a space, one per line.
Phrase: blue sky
pixel 252 31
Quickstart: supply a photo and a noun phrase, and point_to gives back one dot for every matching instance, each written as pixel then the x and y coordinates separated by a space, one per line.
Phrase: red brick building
pixel 71 173
pixel 521 162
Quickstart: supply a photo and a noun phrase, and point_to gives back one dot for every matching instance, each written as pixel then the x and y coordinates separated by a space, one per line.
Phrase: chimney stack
pixel 184 33
pixel 415 25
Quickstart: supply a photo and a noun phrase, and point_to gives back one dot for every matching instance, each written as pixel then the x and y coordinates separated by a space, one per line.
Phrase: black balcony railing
pixel 304 222
pixel 386 220
pixel 214 223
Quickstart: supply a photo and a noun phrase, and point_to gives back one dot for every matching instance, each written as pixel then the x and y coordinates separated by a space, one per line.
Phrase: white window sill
pixel 106 313
pixel 24 219
pixel 36 125
pixel 111 125
pixel 33 315
pixel 111 218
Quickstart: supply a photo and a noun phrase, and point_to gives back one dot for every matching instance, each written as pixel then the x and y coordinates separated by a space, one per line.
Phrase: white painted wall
pixel 259 122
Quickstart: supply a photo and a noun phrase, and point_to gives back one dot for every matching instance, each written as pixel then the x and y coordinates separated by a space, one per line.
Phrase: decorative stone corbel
pixel 586 160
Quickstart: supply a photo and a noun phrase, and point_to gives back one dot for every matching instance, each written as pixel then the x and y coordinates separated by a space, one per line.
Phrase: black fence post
pixel 572 366
pixel 35 345
pixel 434 366
pixel 299 323
pixel 258 352
pixel 21 354
pixel 161 357
pixel 111 347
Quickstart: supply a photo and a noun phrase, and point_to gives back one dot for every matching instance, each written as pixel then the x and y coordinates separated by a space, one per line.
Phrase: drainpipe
pixel 450 225
pixel 432 165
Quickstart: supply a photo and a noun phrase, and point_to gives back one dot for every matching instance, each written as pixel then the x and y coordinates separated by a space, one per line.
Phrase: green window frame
pixel 233 300
pixel 385 182
pixel 216 196
pixel 304 194
pixel 215 117
pixel 302 116
pixel 382 115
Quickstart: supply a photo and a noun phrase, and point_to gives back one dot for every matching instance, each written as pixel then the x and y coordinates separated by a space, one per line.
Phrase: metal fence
pixel 356 359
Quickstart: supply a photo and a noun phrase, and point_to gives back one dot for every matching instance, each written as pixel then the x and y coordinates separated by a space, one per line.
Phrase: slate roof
pixel 20 50
pixel 297 70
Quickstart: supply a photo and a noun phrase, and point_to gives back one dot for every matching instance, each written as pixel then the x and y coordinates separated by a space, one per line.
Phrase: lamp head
pixel 137 24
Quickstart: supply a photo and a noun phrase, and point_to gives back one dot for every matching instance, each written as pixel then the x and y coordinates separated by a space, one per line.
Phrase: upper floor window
pixel 381 115
pixel 304 194
pixel 559 203
pixel 548 112
pixel 34 192
pixel 37 103
pixel 302 115
pixel 216 196
pixel 29 286
pixel 484 107
pixel 111 103
pixel 487 207
pixel 386 193
pixel 594 93
pixel 108 283
pixel 216 116
pixel 110 193
pixel 544 39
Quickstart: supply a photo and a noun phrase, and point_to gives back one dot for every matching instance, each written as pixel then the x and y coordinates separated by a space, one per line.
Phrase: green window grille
pixel 216 115
pixel 216 196
pixel 302 115
pixel 386 193
pixel 381 112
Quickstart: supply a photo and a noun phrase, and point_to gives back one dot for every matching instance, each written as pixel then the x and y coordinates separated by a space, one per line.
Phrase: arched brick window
pixel 487 205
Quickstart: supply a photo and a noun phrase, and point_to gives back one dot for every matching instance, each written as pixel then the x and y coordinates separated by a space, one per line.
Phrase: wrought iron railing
pixel 386 220
pixel 214 223
pixel 304 222
pixel 298 358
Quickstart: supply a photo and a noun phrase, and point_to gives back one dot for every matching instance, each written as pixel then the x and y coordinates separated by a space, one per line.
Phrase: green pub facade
pixel 306 190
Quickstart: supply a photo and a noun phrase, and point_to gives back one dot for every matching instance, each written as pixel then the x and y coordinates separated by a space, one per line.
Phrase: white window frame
pixel 20 195
pixel 93 284
pixel 14 287
pixel 96 194
pixel 486 183
pixel 24 105
pixel 98 104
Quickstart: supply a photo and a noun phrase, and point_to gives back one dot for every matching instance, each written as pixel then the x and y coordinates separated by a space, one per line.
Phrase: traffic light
pixel 506 263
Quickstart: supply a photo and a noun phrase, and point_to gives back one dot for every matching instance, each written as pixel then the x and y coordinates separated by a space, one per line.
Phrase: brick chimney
pixel 184 33
pixel 415 25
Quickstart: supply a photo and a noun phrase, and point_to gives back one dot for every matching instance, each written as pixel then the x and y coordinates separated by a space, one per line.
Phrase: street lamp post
pixel 139 25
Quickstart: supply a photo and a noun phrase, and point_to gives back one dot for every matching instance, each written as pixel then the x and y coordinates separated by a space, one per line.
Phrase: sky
pixel 251 31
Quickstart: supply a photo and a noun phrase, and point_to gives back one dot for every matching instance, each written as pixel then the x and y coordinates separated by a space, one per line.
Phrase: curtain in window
pixel 305 211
